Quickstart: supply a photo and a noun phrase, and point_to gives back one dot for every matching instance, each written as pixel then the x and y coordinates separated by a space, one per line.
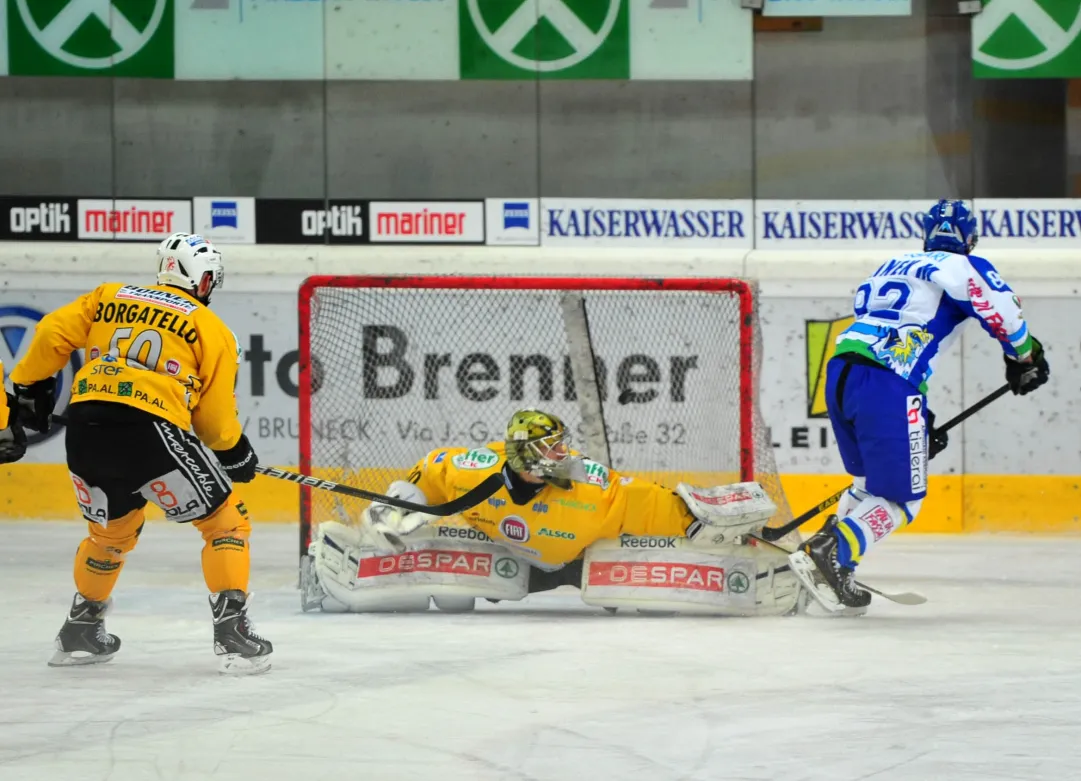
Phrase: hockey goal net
pixel 658 378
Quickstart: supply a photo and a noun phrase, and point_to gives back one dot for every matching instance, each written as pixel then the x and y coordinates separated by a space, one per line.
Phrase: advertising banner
pixel 225 220
pixel 837 8
pixel 378 39
pixel 1050 223
pixel 131 220
pixel 1027 39
pixel 626 222
pixel 427 222
pixel 814 225
pixel 512 221
pixel 310 221
pixel 44 218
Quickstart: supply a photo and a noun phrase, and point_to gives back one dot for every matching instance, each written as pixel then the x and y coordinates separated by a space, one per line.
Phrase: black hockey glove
pixel 239 461
pixel 35 403
pixel 12 438
pixel 1027 377
pixel 936 440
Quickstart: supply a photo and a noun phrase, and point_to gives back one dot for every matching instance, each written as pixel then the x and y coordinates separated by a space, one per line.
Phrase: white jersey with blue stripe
pixel 911 308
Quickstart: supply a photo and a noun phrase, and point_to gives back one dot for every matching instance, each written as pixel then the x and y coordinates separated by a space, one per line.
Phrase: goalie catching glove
pixel 729 511
pixel 384 526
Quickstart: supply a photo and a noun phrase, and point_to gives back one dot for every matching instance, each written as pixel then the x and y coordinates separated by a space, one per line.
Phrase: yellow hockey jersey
pixel 4 421
pixel 553 526
pixel 154 348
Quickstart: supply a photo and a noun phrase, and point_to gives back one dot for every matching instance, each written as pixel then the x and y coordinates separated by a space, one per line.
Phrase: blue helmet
pixel 950 227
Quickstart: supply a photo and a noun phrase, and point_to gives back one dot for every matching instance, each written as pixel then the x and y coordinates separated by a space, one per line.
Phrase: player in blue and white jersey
pixel 907 313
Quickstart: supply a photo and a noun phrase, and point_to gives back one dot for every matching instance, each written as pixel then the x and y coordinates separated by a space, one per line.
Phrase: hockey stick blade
pixel 774 533
pixel 471 498
pixel 901 598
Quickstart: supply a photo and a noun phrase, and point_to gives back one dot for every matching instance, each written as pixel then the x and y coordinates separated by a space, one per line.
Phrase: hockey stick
pixel 901 597
pixel 774 533
pixel 471 498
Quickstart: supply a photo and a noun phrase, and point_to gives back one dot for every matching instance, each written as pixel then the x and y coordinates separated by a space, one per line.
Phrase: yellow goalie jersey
pixel 155 348
pixel 553 526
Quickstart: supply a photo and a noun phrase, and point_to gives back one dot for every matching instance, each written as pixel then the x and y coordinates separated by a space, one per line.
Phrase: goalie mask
pixel 190 262
pixel 538 444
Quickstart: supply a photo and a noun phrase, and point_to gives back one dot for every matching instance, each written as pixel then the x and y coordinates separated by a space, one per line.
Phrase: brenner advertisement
pixel 401 380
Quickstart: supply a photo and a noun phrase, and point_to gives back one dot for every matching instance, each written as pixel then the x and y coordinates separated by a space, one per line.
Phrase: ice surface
pixel 983 682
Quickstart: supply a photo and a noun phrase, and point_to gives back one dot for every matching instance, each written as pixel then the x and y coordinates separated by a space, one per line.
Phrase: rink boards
pixel 1014 467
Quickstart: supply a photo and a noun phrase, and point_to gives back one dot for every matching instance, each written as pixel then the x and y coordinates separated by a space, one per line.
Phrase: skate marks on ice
pixel 981 683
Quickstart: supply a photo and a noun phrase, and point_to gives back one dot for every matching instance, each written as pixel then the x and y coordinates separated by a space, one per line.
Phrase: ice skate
pixel 833 586
pixel 83 639
pixel 242 651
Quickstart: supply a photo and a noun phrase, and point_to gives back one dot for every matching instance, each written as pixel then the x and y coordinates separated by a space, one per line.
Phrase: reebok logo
pixel 463 534
pixel 647 542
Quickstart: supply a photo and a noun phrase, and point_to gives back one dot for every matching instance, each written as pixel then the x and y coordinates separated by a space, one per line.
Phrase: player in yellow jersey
pixel 12 436
pixel 153 418
pixel 563 520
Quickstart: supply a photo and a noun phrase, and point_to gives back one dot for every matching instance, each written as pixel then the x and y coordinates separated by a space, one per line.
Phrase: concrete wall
pixel 866 108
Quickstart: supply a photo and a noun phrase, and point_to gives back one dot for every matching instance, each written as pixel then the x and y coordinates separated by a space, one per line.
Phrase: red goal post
pixel 391 368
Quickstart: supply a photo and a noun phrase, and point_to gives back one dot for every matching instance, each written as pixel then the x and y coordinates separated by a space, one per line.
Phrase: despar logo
pixel 225 220
pixel 37 219
pixel 821 337
pixel 512 221
pixel 578 222
pixel 427 222
pixel 17 325
pixel 132 220
pixel 839 224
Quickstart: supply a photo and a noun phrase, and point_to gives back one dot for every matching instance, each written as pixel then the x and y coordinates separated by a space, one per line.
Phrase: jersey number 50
pixel 885 303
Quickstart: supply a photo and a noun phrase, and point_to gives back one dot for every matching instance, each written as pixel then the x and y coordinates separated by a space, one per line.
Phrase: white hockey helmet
pixel 190 262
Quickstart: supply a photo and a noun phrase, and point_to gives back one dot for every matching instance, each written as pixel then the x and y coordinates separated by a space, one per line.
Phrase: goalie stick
pixel 771 534
pixel 471 498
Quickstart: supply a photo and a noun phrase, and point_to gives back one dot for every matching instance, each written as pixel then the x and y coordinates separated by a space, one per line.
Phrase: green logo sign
pixel 90 37
pixel 531 39
pixel 1027 39
pixel 123 389
pixel 506 568
pixel 738 583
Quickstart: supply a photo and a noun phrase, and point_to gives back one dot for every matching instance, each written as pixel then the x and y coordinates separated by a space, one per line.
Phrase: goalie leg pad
pixel 453 568
pixel 673 574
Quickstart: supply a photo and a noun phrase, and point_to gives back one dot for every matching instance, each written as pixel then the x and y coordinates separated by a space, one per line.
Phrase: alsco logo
pixel 555 533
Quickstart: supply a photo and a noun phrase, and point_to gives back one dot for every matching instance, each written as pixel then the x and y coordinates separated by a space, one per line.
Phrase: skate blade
pixel 804 568
pixel 69 658
pixel 235 664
